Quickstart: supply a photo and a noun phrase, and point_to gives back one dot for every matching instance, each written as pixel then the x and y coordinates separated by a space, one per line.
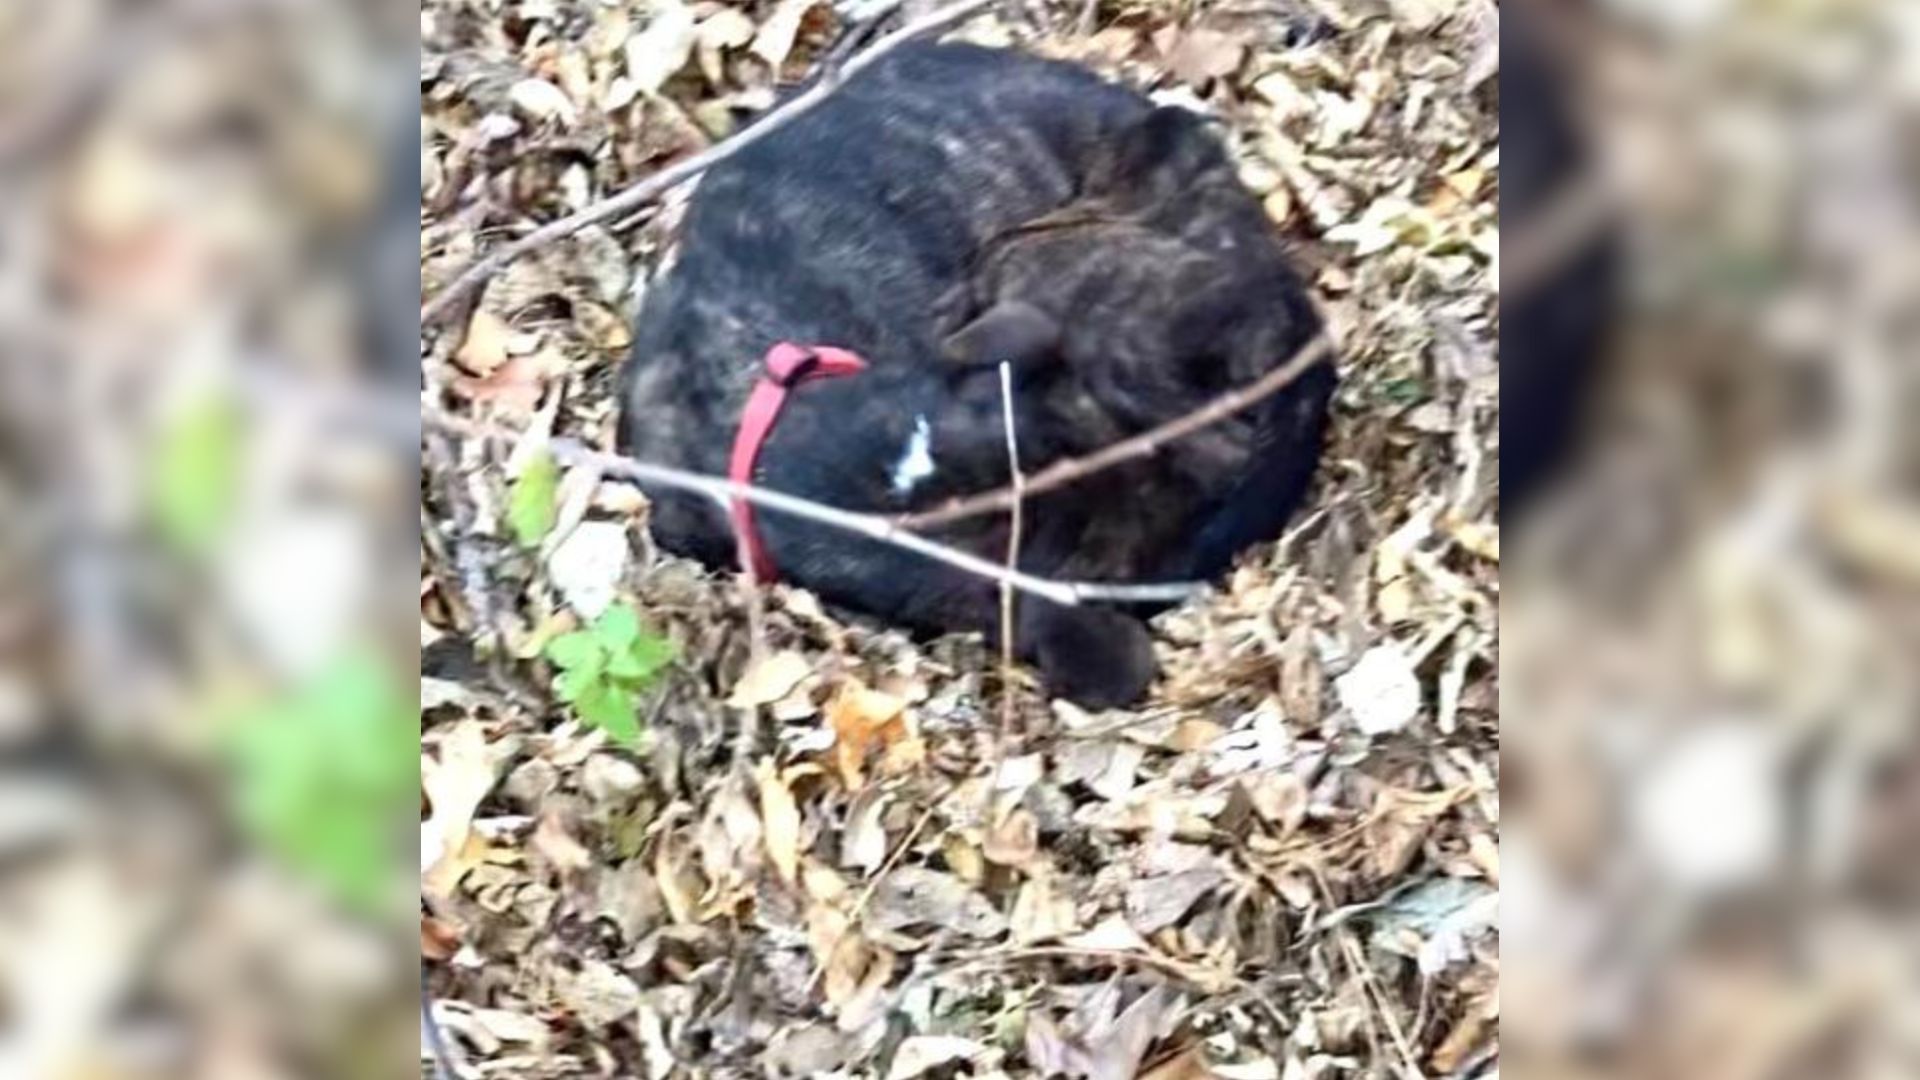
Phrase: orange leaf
pixel 861 719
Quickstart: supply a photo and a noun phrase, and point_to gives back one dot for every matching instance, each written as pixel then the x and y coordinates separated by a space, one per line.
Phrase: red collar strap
pixel 787 366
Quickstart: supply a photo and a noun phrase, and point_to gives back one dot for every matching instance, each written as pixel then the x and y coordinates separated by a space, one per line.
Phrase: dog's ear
pixel 1012 332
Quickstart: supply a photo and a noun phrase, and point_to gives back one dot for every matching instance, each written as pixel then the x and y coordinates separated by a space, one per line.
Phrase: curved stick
pixel 572 451
pixel 1070 470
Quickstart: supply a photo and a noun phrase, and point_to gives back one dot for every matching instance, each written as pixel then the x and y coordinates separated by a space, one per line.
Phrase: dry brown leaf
pixel 1199 56
pixel 556 845
pixel 448 871
pixel 599 995
pixel 1191 735
pixel 1879 535
pixel 439 939
pixel 543 100
pixel 1279 205
pixel 903 754
pixel 1485 856
pixel 1191 1064
pixel 1110 934
pixel 1300 675
pixel 770 679
pixel 963 857
pixel 600 325
pixel 1014 842
pixel 1040 913
pixel 1278 797
pixel 923 1053
pixel 1467 1035
pixel 1158 902
pixel 917 896
pixel 485 346
pixel 516 386
pixel 657 53
pixel 505 1026
pixel 864 842
pixel 1108 766
pixel 454 784
pixel 680 885
pixel 780 818
pixel 1381 691
pixel 1050 1052
pixel 719 33
pixel 1480 538
pixel 1422 14
pixel 858 1009
pixel 1399 823
pixel 841 975
pixel 1118 1049
pixel 776 37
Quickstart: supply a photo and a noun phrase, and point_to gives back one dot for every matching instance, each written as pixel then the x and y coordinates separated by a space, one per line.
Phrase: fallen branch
pixel 1556 234
pixel 873 526
pixel 659 183
pixel 1072 470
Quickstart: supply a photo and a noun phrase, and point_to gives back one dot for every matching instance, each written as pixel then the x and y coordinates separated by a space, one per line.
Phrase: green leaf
pixel 573 684
pixel 196 470
pixel 642 660
pixel 610 708
pixel 577 650
pixel 320 776
pixel 533 503
pixel 617 627
pixel 1404 391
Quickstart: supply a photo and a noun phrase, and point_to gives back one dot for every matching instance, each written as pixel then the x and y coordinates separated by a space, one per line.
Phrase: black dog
pixel 1552 330
pixel 950 208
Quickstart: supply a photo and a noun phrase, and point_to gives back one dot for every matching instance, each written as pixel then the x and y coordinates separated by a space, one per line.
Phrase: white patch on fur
pixel 916 461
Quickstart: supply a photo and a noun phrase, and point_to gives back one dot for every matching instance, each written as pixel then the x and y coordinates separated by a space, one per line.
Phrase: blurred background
pixel 208 535
pixel 1711 603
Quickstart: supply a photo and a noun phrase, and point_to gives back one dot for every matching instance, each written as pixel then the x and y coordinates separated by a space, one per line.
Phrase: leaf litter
pixel 825 856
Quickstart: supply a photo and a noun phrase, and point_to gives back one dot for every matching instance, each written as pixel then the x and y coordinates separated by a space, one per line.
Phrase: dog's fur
pixel 949 208
pixel 1552 331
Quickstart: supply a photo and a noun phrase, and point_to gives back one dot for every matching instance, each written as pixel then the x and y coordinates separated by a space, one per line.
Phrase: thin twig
pixel 1381 1005
pixel 659 183
pixel 1555 234
pixel 873 885
pixel 1204 977
pixel 1071 470
pixel 1007 599
pixel 873 526
pixel 865 22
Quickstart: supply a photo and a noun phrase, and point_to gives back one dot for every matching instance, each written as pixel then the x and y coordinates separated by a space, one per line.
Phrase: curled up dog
pixel 847 288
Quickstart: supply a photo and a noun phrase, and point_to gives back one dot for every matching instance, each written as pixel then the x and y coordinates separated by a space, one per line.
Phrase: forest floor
pixel 835 858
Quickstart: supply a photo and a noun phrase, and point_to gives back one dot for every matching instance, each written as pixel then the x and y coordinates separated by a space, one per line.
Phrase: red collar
pixel 787 366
